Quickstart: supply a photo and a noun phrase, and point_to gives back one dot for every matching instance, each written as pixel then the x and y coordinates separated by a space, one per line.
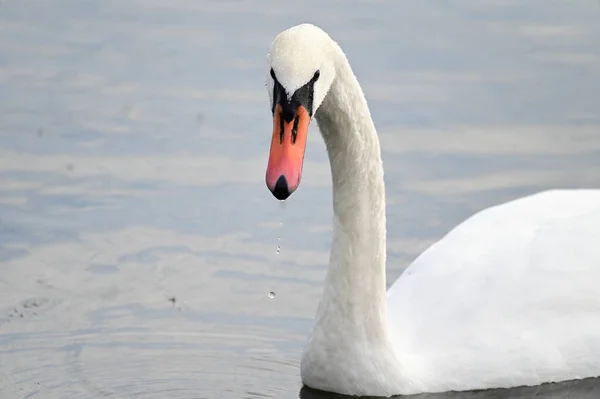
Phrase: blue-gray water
pixel 137 236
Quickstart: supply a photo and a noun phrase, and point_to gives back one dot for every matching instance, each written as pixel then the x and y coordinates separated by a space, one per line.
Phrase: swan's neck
pixel 354 295
pixel 354 298
pixel 349 350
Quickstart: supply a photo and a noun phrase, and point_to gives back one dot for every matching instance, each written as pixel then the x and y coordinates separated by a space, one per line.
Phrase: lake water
pixel 138 241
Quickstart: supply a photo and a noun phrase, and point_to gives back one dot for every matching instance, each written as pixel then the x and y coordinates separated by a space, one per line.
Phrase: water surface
pixel 137 237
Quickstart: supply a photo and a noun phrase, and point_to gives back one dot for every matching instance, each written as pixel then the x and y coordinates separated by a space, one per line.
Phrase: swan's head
pixel 299 74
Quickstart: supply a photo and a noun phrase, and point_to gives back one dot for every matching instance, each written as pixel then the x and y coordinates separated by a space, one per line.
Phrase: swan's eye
pixel 273 74
pixel 316 76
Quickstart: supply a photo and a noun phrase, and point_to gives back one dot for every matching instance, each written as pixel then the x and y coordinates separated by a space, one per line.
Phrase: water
pixel 136 231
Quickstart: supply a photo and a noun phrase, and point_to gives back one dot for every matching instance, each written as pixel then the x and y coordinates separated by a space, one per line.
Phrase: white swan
pixel 509 297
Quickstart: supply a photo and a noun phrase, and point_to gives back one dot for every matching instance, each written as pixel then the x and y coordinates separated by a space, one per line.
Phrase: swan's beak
pixel 287 151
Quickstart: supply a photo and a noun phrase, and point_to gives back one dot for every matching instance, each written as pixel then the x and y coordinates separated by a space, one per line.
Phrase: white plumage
pixel 509 297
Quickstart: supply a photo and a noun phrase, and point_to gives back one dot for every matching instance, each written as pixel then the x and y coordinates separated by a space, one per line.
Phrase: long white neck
pixel 351 322
pixel 355 288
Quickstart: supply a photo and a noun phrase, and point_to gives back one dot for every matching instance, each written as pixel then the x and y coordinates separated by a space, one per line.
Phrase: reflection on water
pixel 138 243
pixel 583 389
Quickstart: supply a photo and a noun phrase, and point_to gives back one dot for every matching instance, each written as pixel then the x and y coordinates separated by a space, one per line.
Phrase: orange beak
pixel 287 152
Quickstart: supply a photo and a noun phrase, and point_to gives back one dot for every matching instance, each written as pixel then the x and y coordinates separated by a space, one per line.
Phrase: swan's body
pixel 509 297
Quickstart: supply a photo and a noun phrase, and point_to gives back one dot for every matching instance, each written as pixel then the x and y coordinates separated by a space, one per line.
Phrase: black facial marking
pixel 280 128
pixel 288 113
pixel 295 129
pixel 303 96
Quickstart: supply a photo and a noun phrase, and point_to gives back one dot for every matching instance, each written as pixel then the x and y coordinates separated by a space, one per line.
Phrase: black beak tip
pixel 281 190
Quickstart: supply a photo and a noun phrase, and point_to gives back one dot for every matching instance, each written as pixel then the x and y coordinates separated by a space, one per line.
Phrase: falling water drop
pixel 279 240
pixel 271 293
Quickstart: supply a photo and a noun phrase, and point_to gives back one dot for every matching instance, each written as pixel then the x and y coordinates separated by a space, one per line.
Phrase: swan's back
pixel 509 297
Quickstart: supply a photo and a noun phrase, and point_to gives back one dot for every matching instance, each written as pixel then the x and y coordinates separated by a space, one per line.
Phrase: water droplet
pixel 278 249
pixel 271 295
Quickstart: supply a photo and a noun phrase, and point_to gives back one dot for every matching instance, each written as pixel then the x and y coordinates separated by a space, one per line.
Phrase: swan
pixel 509 297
